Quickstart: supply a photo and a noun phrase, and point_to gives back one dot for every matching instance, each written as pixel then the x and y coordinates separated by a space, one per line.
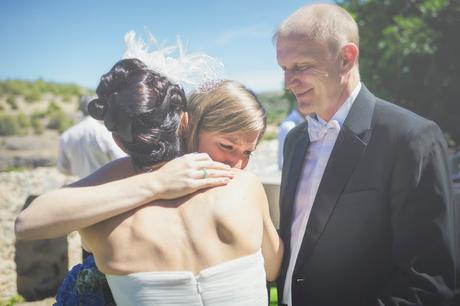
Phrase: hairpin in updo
pixel 209 85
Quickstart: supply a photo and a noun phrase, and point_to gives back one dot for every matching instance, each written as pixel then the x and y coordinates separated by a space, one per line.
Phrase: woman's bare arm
pixel 272 245
pixel 113 190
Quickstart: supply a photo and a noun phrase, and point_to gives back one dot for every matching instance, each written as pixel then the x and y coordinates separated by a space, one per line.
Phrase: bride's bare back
pixel 186 234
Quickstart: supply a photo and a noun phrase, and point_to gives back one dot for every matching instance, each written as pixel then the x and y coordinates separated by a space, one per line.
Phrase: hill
pixel 34 113
pixel 30 107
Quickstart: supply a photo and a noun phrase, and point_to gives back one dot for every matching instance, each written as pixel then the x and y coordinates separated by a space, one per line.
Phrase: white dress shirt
pixel 316 159
pixel 85 147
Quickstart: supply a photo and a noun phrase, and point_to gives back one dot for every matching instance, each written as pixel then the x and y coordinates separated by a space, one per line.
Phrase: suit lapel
pixel 349 147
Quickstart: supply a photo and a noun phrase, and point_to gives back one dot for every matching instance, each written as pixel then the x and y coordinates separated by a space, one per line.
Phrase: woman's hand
pixel 187 174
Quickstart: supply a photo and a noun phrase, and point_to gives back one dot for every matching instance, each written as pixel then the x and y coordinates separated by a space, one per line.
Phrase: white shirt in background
pixel 294 118
pixel 85 147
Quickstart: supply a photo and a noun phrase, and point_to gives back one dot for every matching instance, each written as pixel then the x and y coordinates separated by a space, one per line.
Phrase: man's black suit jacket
pixel 381 228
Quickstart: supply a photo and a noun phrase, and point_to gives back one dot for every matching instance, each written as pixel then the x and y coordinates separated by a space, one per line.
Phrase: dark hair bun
pixel 143 109
pixel 118 77
pixel 97 108
pixel 175 96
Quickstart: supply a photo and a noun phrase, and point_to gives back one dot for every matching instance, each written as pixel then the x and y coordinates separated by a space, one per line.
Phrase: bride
pixel 213 247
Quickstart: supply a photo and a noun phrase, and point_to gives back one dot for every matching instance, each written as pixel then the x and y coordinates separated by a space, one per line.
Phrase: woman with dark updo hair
pixel 156 246
pixel 146 128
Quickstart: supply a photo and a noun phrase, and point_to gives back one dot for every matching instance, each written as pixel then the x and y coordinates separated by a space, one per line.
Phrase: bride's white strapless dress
pixel 240 281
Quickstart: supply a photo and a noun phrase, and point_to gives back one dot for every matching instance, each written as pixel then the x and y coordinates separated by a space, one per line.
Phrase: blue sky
pixel 78 41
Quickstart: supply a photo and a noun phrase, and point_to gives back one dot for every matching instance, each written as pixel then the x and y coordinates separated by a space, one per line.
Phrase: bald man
pixel 366 199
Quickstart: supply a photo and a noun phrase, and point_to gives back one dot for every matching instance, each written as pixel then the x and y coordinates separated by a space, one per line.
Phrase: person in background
pixel 294 118
pixel 86 146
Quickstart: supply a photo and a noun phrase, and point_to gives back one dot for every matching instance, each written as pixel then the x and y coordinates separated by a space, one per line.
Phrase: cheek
pixel 220 156
pixel 316 77
pixel 200 148
pixel 227 158
pixel 212 150
pixel 215 156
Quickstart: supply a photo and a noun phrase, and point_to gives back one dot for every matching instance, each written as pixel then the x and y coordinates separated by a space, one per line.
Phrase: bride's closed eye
pixel 231 148
pixel 226 147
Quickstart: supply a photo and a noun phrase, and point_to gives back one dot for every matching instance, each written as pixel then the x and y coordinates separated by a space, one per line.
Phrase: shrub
pixel 52 107
pixel 13 169
pixel 11 101
pixel 23 121
pixel 58 120
pixel 66 98
pixel 32 97
pixel 36 124
pixel 269 135
pixel 9 125
pixel 38 115
pixel 12 300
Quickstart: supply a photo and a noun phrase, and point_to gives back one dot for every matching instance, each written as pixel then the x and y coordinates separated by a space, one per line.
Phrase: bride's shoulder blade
pixel 114 170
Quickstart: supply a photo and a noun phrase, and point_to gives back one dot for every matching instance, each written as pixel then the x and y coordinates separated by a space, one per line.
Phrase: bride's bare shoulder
pixel 245 183
pixel 238 206
pixel 243 176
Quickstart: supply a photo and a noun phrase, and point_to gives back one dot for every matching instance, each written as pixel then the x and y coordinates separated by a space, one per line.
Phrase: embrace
pixel 366 209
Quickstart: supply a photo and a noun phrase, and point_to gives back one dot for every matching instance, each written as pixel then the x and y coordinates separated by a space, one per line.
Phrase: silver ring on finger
pixel 205 173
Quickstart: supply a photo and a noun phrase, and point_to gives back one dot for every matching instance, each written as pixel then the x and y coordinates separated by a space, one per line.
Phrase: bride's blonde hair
pixel 227 107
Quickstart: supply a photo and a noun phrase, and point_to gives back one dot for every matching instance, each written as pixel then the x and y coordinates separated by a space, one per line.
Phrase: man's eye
pixel 303 68
pixel 248 153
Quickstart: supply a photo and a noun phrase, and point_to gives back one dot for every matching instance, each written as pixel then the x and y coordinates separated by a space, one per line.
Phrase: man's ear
pixel 350 54
pixel 118 142
pixel 183 124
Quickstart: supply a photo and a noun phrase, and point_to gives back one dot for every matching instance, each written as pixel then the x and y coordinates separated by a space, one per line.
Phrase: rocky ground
pixel 16 186
pixel 29 151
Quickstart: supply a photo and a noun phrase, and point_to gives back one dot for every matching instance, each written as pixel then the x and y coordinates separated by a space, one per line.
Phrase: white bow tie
pixel 317 130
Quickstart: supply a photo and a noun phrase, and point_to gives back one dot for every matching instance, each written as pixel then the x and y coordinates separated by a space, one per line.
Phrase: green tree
pixel 409 55
pixel 276 105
